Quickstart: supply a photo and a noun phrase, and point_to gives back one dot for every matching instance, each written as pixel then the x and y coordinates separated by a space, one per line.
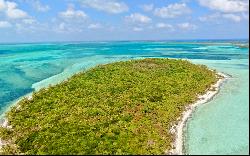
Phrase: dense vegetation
pixel 119 108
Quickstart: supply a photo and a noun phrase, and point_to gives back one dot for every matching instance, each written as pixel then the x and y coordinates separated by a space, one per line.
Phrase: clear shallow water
pixel 222 125
pixel 219 127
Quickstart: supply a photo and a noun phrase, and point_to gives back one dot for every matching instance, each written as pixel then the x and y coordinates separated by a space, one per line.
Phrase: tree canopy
pixel 125 107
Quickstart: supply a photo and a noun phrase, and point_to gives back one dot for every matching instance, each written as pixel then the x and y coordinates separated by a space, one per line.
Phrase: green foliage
pixel 119 108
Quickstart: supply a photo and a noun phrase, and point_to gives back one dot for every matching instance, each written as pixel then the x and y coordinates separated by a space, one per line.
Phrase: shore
pixel 179 129
pixel 4 120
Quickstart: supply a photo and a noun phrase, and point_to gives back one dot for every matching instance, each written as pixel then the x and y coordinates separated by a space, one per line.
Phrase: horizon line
pixel 141 40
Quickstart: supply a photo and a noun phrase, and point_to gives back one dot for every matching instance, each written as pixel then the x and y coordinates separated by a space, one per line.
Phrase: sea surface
pixel 218 127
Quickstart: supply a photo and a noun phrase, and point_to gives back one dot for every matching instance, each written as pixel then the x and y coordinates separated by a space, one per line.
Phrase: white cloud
pixel 232 17
pixel 2 5
pixel 62 27
pixel 95 26
pixel 138 18
pixel 187 26
pixel 5 24
pixel 147 7
pixel 16 13
pixel 227 6
pixel 11 11
pixel 209 17
pixel 172 10
pixel 29 21
pixel 109 6
pixel 70 21
pixel 16 18
pixel 39 6
pixel 67 28
pixel 137 29
pixel 30 25
pixel 218 16
pixel 70 13
pixel 164 26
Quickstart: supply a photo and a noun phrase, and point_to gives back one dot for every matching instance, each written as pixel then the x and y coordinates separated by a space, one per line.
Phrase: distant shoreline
pixel 96 41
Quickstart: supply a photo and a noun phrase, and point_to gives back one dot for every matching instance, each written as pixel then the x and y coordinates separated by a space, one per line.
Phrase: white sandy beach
pixel 179 129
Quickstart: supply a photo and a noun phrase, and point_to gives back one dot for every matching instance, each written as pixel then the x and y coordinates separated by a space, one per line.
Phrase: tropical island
pixel 127 107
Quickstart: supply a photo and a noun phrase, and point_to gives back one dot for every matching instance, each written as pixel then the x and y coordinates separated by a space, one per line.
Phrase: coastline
pixel 58 78
pixel 13 103
pixel 4 120
pixel 202 99
pixel 177 129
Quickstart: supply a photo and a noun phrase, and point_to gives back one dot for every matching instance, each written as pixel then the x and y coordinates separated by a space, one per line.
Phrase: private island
pixel 128 107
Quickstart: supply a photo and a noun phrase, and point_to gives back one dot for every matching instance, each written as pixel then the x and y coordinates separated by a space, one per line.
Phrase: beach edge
pixel 178 129
pixel 178 145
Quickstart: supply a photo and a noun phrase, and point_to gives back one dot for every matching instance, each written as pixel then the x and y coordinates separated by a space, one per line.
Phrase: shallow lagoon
pixel 221 126
pixel 218 127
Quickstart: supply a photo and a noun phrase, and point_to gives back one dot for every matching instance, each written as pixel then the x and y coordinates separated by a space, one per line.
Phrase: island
pixel 126 107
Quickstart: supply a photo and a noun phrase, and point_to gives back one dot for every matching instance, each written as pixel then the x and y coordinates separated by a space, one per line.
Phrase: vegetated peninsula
pixel 126 107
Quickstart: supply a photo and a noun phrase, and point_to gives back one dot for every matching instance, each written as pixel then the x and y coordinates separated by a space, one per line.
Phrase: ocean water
pixel 218 127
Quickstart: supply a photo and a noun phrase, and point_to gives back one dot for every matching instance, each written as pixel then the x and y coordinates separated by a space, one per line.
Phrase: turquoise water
pixel 222 125
pixel 218 127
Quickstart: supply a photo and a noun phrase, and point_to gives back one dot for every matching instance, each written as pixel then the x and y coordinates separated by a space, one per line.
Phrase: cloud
pixel 16 18
pixel 71 13
pixel 29 21
pixel 62 27
pixel 16 13
pixel 67 28
pixel 37 5
pixel 137 29
pixel 147 7
pixel 95 26
pixel 164 26
pixel 5 24
pixel 109 6
pixel 172 10
pixel 11 11
pixel 232 17
pixel 210 17
pixel 187 26
pixel 138 18
pixel 218 16
pixel 226 6
pixel 2 5
pixel 31 25
pixel 70 21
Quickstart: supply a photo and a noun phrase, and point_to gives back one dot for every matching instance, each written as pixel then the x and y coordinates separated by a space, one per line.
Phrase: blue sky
pixel 87 20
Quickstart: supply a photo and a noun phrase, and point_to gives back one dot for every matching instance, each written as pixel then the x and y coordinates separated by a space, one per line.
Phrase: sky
pixel 99 20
